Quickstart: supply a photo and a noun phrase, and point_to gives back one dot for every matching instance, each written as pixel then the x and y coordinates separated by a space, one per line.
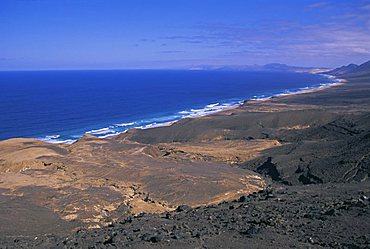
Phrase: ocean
pixel 61 106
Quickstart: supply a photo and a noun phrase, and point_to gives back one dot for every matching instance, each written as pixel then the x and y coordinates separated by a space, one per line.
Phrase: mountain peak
pixel 352 69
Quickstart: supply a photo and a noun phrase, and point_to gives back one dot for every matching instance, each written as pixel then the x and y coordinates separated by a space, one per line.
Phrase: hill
pixel 352 70
pixel 343 69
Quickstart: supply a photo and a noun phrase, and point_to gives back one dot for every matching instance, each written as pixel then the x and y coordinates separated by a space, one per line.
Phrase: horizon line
pixel 193 68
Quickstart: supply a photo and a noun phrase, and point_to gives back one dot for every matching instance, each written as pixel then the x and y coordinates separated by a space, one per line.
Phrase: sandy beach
pixel 206 163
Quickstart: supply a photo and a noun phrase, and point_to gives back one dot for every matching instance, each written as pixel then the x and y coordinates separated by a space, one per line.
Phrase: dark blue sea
pixel 61 106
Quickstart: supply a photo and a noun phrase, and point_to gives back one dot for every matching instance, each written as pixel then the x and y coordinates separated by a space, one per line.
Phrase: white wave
pixel 184 112
pixel 110 135
pixel 52 137
pixel 209 109
pixel 101 131
pixel 67 141
pixel 212 105
pixel 154 125
pixel 125 124
pixel 54 140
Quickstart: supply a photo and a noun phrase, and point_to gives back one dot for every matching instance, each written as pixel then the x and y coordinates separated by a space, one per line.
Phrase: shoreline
pixel 305 91
pixel 322 87
pixel 192 113
pixel 296 149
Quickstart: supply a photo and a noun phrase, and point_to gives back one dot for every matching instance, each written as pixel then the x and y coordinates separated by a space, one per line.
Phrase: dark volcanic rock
pixel 183 208
pixel 269 169
pixel 323 215
pixel 244 198
pixel 309 178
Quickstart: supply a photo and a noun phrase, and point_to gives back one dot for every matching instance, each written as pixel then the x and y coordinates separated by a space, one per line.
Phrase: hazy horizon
pixel 81 35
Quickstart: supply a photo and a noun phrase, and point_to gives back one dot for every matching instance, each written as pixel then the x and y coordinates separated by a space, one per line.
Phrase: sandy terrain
pixel 310 152
pixel 93 181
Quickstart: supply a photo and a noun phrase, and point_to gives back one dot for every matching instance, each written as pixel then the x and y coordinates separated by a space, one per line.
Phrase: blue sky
pixel 106 34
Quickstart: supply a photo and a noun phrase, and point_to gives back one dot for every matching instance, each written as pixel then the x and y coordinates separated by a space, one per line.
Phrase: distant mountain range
pixel 352 69
pixel 267 67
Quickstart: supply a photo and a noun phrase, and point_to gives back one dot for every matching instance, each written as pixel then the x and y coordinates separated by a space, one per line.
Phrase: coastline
pixel 273 154
pixel 305 91
pixel 207 110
